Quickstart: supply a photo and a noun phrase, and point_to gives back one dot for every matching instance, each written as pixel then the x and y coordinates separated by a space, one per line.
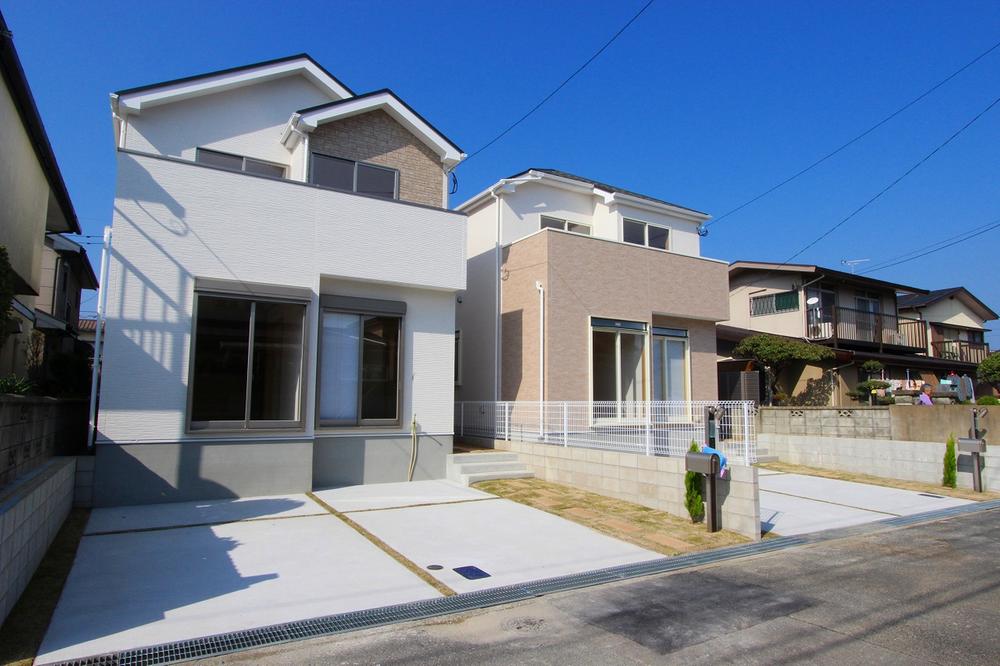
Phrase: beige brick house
pixel 578 290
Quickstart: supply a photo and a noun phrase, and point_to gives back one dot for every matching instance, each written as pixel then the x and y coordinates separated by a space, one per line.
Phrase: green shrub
pixel 14 384
pixel 950 478
pixel 987 400
pixel 692 491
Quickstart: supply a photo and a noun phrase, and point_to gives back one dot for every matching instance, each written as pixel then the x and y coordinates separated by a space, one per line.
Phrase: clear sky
pixel 705 104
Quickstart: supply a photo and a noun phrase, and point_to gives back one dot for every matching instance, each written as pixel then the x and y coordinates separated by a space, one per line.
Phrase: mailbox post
pixel 707 464
pixel 975 446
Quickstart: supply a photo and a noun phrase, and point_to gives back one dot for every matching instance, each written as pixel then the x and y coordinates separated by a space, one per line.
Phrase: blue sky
pixel 702 103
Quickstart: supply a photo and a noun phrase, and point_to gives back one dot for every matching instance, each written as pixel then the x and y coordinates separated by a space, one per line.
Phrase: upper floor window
pixel 786 301
pixel 354 176
pixel 565 225
pixel 641 233
pixel 239 163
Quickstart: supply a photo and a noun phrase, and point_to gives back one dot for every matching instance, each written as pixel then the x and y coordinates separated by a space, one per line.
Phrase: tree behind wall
pixel 775 354
pixel 989 370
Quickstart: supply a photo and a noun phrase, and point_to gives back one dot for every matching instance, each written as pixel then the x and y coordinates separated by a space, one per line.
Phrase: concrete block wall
pixel 861 422
pixel 83 488
pixel 32 509
pixel 33 429
pixel 652 481
pixel 891 459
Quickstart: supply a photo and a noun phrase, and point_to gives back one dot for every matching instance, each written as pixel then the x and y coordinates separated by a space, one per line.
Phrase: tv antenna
pixel 853 263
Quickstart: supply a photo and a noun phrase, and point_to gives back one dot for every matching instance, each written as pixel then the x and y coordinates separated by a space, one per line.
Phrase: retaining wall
pixel 32 509
pixel 653 481
pixel 33 429
pixel 913 423
pixel 893 459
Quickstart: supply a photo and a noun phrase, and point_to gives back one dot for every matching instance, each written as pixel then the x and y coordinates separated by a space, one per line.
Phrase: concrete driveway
pixel 147 575
pixel 798 504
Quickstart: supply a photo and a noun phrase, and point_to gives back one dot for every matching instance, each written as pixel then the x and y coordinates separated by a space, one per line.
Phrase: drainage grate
pixel 219 644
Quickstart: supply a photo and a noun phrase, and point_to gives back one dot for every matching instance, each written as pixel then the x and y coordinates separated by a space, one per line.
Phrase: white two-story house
pixel 281 291
pixel 582 291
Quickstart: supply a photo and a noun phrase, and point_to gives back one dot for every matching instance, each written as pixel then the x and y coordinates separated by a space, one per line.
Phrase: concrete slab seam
pixel 162 528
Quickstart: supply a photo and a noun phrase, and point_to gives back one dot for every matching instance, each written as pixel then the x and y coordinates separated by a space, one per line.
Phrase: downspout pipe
pixel 541 340
pixel 102 301
pixel 496 301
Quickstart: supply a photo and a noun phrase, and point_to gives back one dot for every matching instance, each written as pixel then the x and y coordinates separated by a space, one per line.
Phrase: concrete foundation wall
pixel 347 461
pixel 179 472
pixel 934 424
pixel 893 459
pixel 32 509
pixel 651 481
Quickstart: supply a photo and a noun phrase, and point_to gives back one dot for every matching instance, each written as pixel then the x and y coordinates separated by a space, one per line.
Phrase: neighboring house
pixel 956 323
pixel 33 201
pixel 862 318
pixel 282 286
pixel 595 293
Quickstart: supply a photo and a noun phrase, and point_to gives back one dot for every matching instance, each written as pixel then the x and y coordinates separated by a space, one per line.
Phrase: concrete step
pixel 469 479
pixel 499 456
pixel 501 466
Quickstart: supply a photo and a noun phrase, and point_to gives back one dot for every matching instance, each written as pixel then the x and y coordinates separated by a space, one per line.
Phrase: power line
pixel 561 85
pixel 894 182
pixel 879 264
pixel 993 225
pixel 858 137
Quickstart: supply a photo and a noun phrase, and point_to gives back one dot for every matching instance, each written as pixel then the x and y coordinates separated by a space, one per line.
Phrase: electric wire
pixel 944 246
pixel 561 85
pixel 856 138
pixel 895 182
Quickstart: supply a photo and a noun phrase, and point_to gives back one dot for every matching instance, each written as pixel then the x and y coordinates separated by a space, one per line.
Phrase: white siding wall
pixel 174 222
pixel 245 121
pixel 475 315
pixel 748 286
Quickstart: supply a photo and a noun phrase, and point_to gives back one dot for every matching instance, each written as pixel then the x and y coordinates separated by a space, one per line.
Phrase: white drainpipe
pixel 102 300
pixel 541 340
pixel 496 309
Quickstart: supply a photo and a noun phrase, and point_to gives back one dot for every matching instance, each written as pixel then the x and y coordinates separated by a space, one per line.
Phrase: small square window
pixel 657 236
pixel 376 181
pixel 332 172
pixel 553 223
pixel 634 232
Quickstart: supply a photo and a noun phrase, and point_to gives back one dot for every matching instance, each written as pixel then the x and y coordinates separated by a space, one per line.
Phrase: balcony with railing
pixel 960 350
pixel 839 324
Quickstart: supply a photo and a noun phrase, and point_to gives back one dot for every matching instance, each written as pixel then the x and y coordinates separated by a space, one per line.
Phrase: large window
pixel 618 361
pixel 354 176
pixel 641 233
pixel 247 363
pixel 670 364
pixel 564 225
pixel 239 163
pixel 359 369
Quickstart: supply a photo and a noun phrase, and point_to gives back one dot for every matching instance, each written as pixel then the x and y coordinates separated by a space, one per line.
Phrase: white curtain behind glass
pixel 339 356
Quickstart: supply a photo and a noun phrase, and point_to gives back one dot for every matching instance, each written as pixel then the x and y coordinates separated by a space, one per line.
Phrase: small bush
pixel 950 478
pixel 987 400
pixel 692 491
pixel 14 384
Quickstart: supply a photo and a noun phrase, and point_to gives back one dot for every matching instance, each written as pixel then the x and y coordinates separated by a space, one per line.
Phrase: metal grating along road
pixel 236 641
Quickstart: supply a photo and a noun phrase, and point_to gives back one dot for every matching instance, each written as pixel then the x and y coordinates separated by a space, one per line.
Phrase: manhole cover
pixel 435 567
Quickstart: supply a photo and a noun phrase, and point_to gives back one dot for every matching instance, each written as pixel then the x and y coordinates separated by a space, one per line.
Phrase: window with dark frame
pixel 239 163
pixel 359 377
pixel 247 364
pixel 353 176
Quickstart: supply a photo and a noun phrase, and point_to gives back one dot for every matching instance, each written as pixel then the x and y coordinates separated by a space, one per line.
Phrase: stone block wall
pixel 32 509
pixel 656 482
pixel 853 422
pixel 33 429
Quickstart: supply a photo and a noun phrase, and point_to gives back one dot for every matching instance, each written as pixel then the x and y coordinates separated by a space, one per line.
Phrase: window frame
pixel 243 163
pixel 772 298
pixel 359 422
pixel 565 225
pixel 660 335
pixel 620 327
pixel 354 185
pixel 645 234
pixel 246 425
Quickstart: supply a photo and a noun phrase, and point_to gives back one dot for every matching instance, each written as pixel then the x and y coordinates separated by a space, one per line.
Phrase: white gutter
pixel 102 300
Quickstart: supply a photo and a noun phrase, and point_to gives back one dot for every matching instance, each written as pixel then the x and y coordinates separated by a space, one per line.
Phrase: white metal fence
pixel 660 428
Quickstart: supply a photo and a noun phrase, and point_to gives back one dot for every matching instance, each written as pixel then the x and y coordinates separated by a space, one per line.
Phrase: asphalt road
pixel 918 595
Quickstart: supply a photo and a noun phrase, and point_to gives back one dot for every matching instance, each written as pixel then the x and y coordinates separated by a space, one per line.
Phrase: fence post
pixel 565 423
pixel 506 421
pixel 746 433
pixel 543 434
pixel 646 423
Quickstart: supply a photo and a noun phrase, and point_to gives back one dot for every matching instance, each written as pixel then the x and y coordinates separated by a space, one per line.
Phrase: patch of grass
pixel 640 525
pixel 960 493
pixel 22 633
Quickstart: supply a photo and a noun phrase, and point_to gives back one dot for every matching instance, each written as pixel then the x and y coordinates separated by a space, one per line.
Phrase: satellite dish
pixel 812 300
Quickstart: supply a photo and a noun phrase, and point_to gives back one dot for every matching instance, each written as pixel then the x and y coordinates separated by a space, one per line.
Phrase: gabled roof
pixel 609 193
pixel 738 267
pixel 17 84
pixel 912 301
pixel 135 99
pixel 77 254
pixel 310 118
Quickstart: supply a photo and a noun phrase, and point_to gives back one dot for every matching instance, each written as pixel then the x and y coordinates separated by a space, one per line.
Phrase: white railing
pixel 659 428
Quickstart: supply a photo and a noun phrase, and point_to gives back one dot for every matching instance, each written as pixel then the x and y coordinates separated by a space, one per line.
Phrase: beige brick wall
pixel 652 481
pixel 377 138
